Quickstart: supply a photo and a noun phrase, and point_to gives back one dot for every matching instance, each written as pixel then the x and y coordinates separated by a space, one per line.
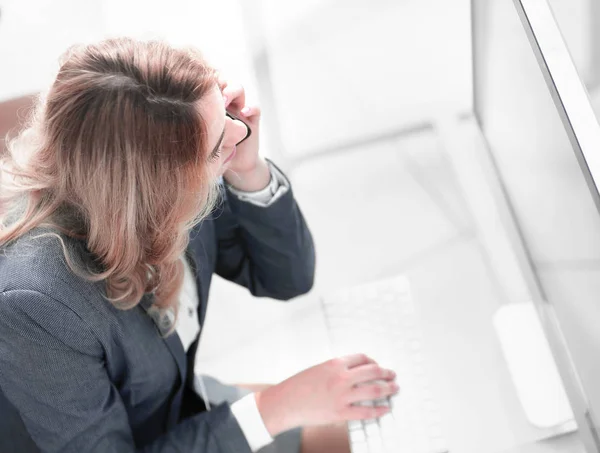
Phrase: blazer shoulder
pixel 38 262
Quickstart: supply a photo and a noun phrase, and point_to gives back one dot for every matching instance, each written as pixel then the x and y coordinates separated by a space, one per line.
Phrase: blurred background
pixel 368 107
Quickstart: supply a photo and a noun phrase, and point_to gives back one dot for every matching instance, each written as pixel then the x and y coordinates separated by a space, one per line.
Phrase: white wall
pixel 215 27
pixel 33 33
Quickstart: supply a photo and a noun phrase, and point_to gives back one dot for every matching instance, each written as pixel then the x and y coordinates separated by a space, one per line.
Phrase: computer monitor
pixel 544 141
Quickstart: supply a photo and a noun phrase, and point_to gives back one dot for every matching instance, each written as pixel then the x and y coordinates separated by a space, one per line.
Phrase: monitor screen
pixel 544 142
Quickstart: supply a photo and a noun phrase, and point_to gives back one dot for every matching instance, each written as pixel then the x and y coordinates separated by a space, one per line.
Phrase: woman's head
pixel 118 153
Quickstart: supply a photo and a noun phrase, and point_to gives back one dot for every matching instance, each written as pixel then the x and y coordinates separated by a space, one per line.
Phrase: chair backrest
pixel 13 112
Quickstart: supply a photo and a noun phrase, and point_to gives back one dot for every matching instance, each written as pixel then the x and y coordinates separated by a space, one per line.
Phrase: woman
pixel 113 220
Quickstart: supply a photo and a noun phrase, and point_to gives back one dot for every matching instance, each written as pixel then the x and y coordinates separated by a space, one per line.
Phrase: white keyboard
pixel 379 319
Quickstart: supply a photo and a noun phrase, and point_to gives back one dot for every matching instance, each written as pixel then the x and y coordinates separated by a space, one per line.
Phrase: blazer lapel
pixel 189 255
pixel 191 353
pixel 174 344
pixel 175 347
pixel 172 341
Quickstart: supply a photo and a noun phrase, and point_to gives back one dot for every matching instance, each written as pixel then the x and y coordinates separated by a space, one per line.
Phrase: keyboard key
pixel 438 446
pixel 376 444
pixel 357 436
pixel 435 432
pixel 372 430
pixel 360 447
pixel 415 345
pixel 431 407
pixel 355 425
pixel 381 402
pixel 387 424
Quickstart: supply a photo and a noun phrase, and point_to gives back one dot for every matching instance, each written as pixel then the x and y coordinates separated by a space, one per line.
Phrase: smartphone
pixel 248 130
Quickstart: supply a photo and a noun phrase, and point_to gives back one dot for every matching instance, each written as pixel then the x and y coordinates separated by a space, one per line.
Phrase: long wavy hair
pixel 115 154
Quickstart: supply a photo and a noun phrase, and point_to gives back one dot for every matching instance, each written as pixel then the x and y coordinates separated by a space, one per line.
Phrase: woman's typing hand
pixel 327 393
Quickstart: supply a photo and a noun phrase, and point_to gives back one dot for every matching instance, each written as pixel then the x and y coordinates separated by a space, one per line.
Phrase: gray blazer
pixel 85 376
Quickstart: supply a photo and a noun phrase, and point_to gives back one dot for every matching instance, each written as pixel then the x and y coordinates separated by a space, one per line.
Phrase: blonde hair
pixel 115 154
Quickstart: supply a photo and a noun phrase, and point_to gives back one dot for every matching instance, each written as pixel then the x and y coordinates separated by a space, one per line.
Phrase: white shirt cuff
pixel 246 413
pixel 264 198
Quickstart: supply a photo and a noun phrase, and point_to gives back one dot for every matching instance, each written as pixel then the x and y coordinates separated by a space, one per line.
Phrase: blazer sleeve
pixel 269 250
pixel 53 373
